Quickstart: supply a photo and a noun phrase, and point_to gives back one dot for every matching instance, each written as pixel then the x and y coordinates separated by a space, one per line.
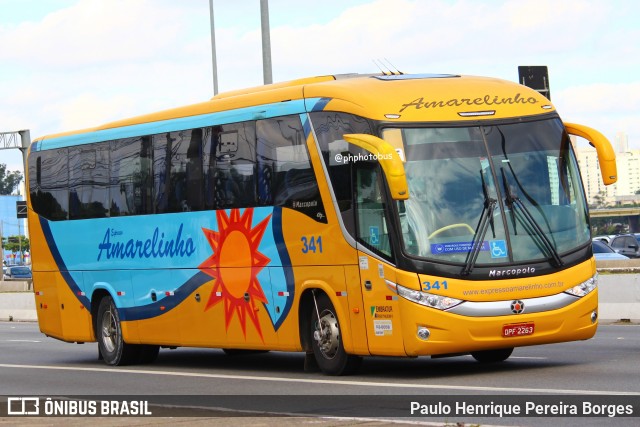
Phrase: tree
pixel 9 180
pixel 15 243
pixel 599 200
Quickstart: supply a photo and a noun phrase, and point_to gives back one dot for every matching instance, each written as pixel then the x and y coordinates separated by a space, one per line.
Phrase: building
pixel 10 225
pixel 621 144
pixel 628 184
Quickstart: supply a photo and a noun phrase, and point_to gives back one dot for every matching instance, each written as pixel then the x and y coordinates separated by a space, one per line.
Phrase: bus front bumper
pixel 429 331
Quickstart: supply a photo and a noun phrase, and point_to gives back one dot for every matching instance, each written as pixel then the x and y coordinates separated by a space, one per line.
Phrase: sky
pixel 71 64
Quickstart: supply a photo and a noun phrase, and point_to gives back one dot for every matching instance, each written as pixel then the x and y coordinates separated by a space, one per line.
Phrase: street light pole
pixel 25 141
pixel 25 138
pixel 214 62
pixel 266 42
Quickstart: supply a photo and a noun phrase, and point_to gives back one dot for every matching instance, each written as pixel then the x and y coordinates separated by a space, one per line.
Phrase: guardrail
pixel 619 290
pixel 15 285
pixel 17 302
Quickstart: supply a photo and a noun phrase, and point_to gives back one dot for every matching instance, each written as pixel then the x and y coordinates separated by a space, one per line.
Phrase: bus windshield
pixel 491 194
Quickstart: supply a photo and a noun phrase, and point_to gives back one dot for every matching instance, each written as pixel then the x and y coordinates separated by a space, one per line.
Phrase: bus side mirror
pixel 388 159
pixel 606 155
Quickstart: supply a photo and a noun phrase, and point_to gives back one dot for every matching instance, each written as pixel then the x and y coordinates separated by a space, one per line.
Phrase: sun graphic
pixel 235 265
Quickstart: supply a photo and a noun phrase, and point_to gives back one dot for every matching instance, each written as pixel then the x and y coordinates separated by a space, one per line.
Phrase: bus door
pixel 381 313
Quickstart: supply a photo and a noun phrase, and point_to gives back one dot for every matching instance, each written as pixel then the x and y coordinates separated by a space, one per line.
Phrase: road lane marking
pixel 22 341
pixel 327 381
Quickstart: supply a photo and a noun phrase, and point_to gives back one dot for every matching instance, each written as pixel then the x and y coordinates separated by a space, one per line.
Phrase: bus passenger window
pixel 234 175
pixel 210 142
pixel 329 128
pixel 51 196
pixel 130 182
pixel 281 151
pixel 35 181
pixel 177 171
pixel 194 175
pixel 89 181
pixel 162 147
pixel 285 175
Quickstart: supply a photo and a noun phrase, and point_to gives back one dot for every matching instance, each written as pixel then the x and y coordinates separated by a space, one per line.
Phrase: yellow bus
pixel 341 216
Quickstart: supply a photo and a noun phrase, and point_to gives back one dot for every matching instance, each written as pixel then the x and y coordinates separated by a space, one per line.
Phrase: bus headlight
pixel 429 300
pixel 584 288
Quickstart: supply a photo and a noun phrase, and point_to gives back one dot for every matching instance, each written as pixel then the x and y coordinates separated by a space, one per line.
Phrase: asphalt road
pixel 603 369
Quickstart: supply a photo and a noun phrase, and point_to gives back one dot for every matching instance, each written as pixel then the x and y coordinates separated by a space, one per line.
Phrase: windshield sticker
pixel 455 247
pixel 498 249
pixel 374 235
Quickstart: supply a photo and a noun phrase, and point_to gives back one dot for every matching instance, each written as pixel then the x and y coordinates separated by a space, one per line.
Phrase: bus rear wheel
pixel 326 340
pixel 492 356
pixel 113 349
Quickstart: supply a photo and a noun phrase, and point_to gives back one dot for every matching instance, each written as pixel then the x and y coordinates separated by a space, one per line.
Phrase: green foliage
pixel 9 180
pixel 13 244
pixel 598 201
pixel 607 226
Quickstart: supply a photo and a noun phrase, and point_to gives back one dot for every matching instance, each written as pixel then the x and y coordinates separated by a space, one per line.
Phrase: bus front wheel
pixel 326 340
pixel 113 349
pixel 492 356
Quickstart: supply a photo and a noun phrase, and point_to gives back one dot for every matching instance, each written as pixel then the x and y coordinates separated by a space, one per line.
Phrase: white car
pixel 605 238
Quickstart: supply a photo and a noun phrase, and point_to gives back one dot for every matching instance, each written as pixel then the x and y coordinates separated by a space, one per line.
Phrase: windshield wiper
pixel 513 202
pixel 486 218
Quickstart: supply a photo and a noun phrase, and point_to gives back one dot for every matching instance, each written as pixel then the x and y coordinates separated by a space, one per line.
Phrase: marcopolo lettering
pixel 309 204
pixel 157 246
pixel 485 100
pixel 512 272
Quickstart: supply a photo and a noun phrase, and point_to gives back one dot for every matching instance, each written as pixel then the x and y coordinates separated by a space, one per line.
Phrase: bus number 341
pixel 311 244
pixel 437 285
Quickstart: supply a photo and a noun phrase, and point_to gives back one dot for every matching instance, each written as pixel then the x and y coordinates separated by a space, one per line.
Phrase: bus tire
pixel 326 340
pixel 492 356
pixel 113 349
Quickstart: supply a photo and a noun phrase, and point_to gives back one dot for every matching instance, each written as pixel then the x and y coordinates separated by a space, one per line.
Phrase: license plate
pixel 518 330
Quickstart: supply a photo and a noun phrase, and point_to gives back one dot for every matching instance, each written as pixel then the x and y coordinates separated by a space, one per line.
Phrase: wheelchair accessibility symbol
pixel 374 235
pixel 498 248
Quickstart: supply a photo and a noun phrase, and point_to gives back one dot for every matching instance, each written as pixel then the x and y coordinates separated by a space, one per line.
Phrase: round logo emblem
pixel 517 307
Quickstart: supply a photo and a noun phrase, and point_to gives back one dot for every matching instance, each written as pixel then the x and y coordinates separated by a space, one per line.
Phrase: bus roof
pixel 390 97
